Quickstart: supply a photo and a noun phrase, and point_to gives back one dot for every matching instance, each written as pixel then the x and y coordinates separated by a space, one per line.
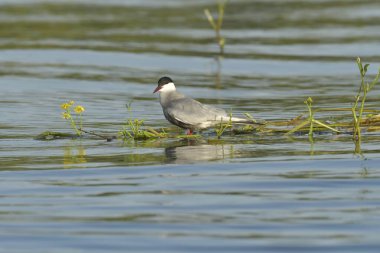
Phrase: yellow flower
pixel 66 115
pixel 65 106
pixel 79 109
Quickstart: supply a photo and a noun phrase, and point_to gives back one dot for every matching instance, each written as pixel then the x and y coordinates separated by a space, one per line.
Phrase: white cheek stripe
pixel 168 87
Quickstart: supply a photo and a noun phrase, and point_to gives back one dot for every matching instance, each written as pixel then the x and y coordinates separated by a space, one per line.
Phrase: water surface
pixel 252 192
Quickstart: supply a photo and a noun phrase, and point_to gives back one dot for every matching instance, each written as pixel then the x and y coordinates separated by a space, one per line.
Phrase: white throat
pixel 167 88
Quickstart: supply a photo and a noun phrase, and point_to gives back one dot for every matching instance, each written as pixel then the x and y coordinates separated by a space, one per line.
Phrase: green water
pixel 253 192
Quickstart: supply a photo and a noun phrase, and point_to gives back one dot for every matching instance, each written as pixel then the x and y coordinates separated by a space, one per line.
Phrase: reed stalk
pixel 217 23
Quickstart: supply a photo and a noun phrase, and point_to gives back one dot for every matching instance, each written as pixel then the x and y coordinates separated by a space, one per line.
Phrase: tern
pixel 188 113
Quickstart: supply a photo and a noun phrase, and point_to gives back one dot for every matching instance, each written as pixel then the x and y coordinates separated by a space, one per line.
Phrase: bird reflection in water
pixel 191 153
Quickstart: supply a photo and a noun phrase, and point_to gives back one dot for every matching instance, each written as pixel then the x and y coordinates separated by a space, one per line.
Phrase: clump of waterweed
pixel 132 130
pixel 311 121
pixel 73 114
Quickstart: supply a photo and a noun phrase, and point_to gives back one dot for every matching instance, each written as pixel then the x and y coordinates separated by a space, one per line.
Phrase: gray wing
pixel 192 112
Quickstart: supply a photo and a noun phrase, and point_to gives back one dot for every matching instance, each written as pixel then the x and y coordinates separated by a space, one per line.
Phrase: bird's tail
pixel 227 119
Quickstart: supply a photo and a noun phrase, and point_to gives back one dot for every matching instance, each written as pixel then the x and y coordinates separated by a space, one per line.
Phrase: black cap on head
pixel 164 80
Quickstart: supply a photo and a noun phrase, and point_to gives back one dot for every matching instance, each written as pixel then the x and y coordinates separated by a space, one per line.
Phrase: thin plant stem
pixel 74 126
pixel 361 97
pixel 217 25
pixel 308 102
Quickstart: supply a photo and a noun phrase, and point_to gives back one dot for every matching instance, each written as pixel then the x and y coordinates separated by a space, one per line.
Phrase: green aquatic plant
pixel 133 129
pixel 52 135
pixel 129 106
pixel 250 117
pixel 217 24
pixel 222 126
pixel 360 98
pixel 310 121
pixel 73 115
pixel 257 126
pixel 188 136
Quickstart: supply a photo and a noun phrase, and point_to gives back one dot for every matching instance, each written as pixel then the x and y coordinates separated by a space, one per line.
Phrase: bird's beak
pixel 157 89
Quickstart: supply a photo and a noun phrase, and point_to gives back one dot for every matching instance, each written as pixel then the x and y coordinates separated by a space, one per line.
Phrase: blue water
pixel 261 192
pixel 315 205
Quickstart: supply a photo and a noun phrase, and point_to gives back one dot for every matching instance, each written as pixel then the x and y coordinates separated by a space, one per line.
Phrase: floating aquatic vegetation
pixel 222 126
pixel 134 128
pixel 311 121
